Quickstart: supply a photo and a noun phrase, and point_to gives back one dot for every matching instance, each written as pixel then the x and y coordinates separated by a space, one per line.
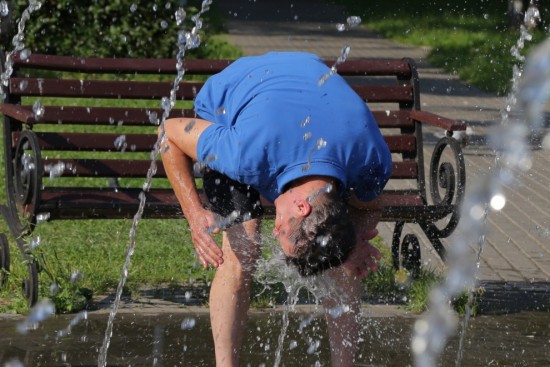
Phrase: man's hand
pixel 362 260
pixel 202 225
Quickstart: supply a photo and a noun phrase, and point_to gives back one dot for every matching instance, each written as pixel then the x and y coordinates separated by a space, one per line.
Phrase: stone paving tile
pixel 517 248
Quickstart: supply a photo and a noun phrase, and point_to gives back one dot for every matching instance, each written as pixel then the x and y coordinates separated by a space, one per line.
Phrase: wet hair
pixel 325 238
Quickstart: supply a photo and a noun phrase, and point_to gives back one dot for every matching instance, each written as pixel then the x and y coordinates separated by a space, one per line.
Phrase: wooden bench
pixel 78 133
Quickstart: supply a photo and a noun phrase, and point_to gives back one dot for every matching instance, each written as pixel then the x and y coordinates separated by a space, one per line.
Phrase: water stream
pixel 510 142
pixel 186 41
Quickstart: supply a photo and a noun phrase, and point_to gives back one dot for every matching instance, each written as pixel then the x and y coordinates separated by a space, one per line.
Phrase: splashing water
pixel 186 40
pixel 17 40
pixel 352 22
pixel 528 96
pixel 75 321
pixel 40 312
pixel 333 70
pixel 274 270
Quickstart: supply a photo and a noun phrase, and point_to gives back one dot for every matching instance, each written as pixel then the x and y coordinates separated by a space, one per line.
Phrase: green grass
pixel 466 37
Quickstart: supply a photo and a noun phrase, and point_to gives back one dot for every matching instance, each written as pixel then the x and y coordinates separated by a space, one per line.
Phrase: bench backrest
pixel 87 126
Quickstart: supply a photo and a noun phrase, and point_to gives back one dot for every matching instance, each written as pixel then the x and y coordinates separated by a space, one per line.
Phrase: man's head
pixel 315 233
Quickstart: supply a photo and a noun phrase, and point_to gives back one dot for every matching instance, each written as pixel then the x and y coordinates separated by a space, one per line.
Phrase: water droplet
pixel 220 111
pixel 321 143
pixel 313 346
pixel 307 136
pixel 40 312
pixel 293 344
pixel 180 16
pixel 353 21
pixel 25 53
pixel 340 27
pixel 133 7
pixel 338 311
pixel 42 217
pixel 76 276
pixel 188 324
pixel 153 118
pixel 306 121
pixel 55 170
pixel 4 8
pixel 38 109
pixel 321 240
pixel 23 85
pixel 54 288
pixel 163 24
pixel 498 202
pixel 477 212
pixel 120 143
pixel 188 295
pixel 35 242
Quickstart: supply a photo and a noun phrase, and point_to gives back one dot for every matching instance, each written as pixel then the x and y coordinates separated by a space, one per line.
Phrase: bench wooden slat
pixel 118 65
pixel 145 142
pixel 46 87
pixel 71 203
pixel 393 119
pixel 139 167
pixel 104 167
pixel 404 170
pixel 69 88
pixel 140 116
pixel 373 67
pixel 385 93
pixel 95 115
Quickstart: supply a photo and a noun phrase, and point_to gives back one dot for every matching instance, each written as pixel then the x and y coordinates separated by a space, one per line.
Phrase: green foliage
pixel 120 28
pixel 468 299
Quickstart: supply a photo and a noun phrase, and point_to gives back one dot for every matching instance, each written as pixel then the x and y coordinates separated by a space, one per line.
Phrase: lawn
pixel 469 38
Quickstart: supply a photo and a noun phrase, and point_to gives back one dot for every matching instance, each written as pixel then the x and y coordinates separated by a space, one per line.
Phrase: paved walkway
pixel 517 250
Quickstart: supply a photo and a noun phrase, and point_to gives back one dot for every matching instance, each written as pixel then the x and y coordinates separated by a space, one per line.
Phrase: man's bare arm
pixel 365 216
pixel 179 150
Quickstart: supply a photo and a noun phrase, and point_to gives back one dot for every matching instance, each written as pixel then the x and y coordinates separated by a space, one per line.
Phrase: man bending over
pixel 268 128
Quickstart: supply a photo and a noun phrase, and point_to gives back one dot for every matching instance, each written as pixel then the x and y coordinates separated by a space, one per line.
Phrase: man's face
pixel 283 218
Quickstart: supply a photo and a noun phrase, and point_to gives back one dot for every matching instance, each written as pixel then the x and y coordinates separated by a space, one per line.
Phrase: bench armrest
pixel 438 121
pixel 17 112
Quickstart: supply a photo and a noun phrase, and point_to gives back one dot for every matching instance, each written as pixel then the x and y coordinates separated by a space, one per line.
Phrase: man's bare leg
pixel 342 315
pixel 230 291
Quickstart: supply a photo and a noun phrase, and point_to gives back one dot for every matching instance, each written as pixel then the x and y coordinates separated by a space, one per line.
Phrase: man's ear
pixel 303 206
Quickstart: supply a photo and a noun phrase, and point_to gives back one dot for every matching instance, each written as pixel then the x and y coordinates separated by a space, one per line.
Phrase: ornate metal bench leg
pixel 434 235
pixel 396 242
pixel 405 254
pixel 4 259
pixel 410 254
pixel 30 285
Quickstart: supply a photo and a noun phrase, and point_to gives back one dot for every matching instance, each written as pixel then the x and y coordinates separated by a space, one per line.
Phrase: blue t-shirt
pixel 275 122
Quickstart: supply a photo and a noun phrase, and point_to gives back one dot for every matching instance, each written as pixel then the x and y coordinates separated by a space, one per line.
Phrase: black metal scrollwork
pixel 27 174
pixel 449 177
